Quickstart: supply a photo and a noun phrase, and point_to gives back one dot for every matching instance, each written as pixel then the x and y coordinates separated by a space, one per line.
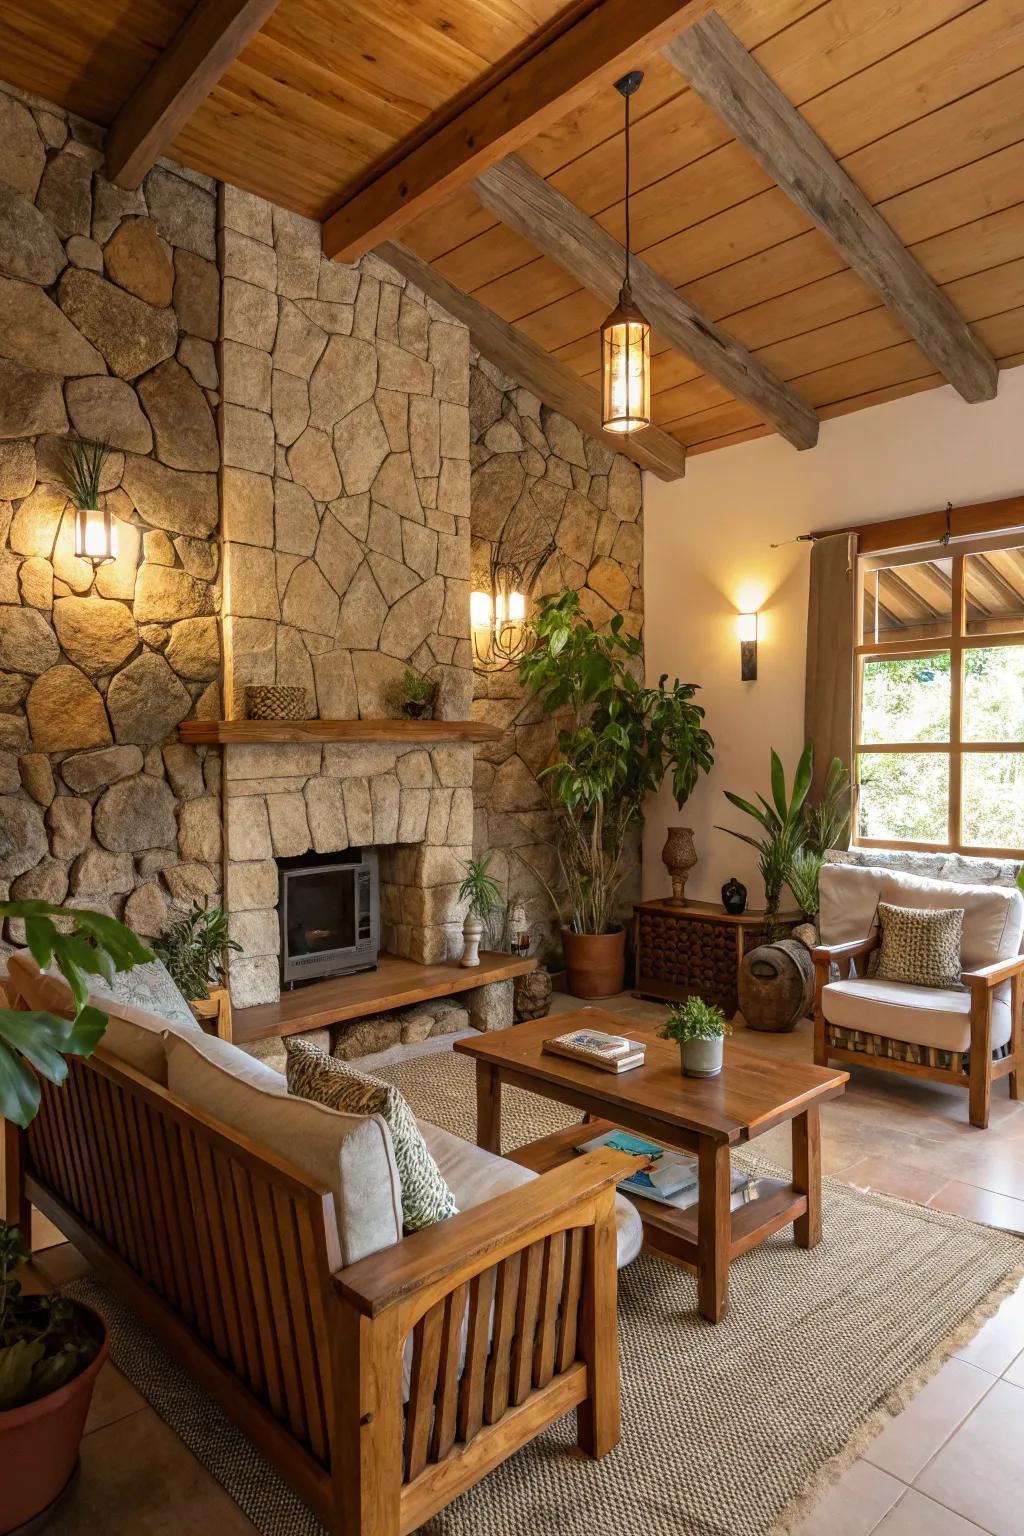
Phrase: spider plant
pixel 83 472
pixel 480 890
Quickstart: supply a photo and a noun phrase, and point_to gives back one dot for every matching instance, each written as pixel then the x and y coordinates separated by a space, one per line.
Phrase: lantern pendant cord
pixel 626 104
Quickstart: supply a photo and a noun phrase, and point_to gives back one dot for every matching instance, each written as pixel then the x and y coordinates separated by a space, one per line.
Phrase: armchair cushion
pixel 919 945
pixel 475 1175
pixel 935 1016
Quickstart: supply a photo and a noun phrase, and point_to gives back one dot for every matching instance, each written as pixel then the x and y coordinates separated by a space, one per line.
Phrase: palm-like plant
pixel 479 890
pixel 84 471
pixel 193 950
pixel 783 829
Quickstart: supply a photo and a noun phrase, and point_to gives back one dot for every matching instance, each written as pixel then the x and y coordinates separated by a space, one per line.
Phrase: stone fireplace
pixel 346 559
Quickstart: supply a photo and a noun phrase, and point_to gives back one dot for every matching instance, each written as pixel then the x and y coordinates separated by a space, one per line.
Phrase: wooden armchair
pixel 500 1320
pixel 972 1066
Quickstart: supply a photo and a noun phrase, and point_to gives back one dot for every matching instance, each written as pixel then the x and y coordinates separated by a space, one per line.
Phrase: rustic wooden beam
pixel 541 89
pixel 735 87
pixel 550 380
pixel 208 41
pixel 583 248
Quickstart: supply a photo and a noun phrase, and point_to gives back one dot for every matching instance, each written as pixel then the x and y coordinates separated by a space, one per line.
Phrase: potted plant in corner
pixel 699 1029
pixel 193 950
pixel 618 742
pixel 51 1349
pixel 415 696
pixel 481 891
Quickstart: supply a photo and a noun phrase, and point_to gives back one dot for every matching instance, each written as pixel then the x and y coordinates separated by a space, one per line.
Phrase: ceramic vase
pixel 472 933
pixel 701 1058
pixel 679 856
pixel 734 896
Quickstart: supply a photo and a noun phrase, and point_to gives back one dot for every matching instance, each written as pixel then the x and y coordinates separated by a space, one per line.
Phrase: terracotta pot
pixel 39 1443
pixel 595 963
pixel 679 856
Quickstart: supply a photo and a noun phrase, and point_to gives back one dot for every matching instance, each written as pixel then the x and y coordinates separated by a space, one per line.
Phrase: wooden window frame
pixel 957 642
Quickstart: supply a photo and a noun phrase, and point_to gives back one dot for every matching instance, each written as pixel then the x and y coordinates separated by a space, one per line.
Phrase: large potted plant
pixel 618 741
pixel 51 1349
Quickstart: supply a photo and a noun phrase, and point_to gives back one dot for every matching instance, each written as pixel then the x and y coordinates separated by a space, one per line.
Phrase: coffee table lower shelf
pixel 668 1232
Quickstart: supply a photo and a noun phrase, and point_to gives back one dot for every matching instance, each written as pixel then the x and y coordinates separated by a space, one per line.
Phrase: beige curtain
pixel 831 621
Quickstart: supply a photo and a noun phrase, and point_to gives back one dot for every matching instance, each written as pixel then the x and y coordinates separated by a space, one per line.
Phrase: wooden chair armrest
pixel 451 1252
pixel 824 954
pixel 992 975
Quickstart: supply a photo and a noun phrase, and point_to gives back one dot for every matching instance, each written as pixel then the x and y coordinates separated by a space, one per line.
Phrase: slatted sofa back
pixel 235 1244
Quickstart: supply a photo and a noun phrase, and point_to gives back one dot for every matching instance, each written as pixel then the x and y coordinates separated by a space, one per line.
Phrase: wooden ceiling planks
pixel 920 100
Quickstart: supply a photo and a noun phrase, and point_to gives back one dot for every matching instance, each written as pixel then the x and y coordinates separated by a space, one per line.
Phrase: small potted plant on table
pixel 699 1028
pixel 481 891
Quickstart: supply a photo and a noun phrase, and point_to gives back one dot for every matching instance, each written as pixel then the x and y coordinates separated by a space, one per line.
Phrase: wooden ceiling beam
pixel 521 358
pixel 734 86
pixel 179 80
pixel 612 37
pixel 584 248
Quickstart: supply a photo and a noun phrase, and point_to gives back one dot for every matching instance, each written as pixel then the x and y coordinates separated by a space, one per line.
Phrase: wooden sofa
pixel 380 1390
pixel 970 1038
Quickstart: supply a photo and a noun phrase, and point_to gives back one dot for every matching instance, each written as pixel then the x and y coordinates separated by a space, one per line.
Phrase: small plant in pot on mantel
pixel 618 743
pixel 415 696
pixel 482 893
pixel 699 1029
pixel 193 950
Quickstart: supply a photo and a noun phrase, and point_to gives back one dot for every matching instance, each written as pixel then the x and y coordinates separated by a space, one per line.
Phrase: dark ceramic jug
pixel 734 896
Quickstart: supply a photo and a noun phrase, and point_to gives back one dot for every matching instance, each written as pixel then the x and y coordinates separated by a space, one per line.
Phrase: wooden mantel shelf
pixel 210 733
pixel 394 984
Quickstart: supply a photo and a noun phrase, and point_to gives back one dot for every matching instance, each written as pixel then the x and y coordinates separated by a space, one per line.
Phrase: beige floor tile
pixel 1015 1373
pixel 861 1498
pixel 139 1480
pixel 915 1515
pixel 979 1473
pixel 894 1177
pixel 909 1442
pixel 981 1205
pixel 999 1342
pixel 114 1398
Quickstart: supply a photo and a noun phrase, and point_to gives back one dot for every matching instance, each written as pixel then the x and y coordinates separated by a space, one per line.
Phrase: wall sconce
pixel 747 627
pixel 95 535
pixel 498 621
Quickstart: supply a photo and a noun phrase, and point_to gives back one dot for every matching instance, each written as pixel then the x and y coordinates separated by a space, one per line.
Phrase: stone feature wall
pixel 109 307
pixel 538 481
pixel 345 430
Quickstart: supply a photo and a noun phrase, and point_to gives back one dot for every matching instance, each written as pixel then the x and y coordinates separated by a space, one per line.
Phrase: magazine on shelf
pixel 670 1177
pixel 612 1053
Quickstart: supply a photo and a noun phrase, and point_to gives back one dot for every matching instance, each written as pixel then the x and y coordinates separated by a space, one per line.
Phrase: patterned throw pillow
pixel 312 1074
pixel 149 987
pixel 920 945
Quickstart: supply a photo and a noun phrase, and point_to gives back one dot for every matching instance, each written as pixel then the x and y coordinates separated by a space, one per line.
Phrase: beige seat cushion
pixel 132 1035
pixel 350 1155
pixel 936 1016
pixel 474 1176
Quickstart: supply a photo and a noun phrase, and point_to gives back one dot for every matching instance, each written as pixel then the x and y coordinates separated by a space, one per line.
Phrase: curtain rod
pixel 929 527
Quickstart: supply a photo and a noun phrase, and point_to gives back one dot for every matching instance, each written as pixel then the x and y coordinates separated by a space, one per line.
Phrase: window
pixel 940 700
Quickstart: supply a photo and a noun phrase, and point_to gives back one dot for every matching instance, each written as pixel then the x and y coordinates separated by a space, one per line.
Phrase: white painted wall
pixel 708 556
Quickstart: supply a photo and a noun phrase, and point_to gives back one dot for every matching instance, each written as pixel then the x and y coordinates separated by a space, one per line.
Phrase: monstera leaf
pixel 35 1045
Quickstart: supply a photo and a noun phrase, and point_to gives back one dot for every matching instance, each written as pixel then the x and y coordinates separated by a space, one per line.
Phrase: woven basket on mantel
pixel 276 703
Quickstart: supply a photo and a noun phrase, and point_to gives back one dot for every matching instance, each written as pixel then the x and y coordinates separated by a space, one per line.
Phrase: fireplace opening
pixel 329 908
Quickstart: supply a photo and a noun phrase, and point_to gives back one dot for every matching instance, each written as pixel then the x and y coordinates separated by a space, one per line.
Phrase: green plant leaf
pixel 19 1088
pixel 802 780
pixel 779 785
pixel 17 1362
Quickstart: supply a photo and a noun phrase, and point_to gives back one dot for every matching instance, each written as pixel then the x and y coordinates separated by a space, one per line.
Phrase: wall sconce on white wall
pixel 747 627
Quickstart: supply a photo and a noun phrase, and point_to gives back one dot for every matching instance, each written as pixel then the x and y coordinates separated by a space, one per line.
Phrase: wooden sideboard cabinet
pixel 694 949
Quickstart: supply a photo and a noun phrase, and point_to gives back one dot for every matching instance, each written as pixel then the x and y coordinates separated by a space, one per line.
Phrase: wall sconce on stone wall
pixel 747 627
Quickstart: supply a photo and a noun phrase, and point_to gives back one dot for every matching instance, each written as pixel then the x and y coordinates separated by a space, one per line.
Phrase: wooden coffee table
pixel 707 1116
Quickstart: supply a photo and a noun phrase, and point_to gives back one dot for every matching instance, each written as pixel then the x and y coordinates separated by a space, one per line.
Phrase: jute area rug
pixel 734 1430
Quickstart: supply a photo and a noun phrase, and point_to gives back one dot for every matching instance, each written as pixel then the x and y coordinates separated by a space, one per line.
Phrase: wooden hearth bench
pixel 396 983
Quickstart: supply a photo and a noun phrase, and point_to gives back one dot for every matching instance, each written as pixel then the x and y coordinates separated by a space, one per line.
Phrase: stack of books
pixel 612 1053
pixel 669 1177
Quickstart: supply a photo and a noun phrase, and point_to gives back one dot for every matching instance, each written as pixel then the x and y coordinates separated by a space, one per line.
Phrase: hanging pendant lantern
pixel 625 335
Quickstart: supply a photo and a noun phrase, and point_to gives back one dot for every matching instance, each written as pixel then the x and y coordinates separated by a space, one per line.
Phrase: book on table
pixel 612 1053
pixel 669 1177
